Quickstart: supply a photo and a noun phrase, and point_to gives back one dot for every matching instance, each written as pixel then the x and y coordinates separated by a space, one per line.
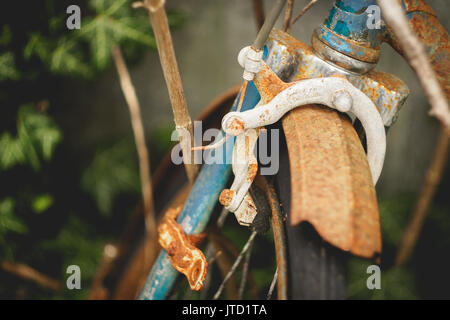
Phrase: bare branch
pixel 25 272
pixel 279 237
pixel 183 122
pixel 223 215
pixel 139 136
pixel 288 15
pixel 97 291
pixel 301 13
pixel 417 58
pixel 218 253
pixel 272 285
pixel 245 270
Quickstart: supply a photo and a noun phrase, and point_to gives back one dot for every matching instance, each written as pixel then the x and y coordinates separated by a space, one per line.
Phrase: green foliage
pixel 33 56
pixel 113 22
pixel 7 67
pixel 113 171
pixel 394 215
pixel 396 283
pixel 8 221
pixel 37 137
pixel 80 248
pixel 42 202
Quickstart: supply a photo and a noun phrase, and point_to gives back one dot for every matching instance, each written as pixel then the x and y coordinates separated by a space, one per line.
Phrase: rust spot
pixel 236 127
pixel 290 42
pixel 226 196
pixel 385 80
pixel 268 84
pixel 252 171
pixel 418 5
pixel 338 75
pixel 185 257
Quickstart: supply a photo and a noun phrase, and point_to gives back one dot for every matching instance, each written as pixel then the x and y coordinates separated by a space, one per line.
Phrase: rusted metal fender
pixel 331 183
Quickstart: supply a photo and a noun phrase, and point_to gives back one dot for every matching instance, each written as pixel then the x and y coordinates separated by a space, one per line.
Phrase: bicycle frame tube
pixel 197 209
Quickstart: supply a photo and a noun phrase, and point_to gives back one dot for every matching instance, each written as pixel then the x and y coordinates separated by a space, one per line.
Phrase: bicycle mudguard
pixel 198 207
pixel 331 185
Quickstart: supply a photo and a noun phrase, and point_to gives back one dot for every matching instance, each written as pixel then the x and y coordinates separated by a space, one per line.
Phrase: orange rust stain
pixel 418 5
pixel 236 126
pixel 268 84
pixel 290 42
pixel 185 257
pixel 252 171
pixel 385 79
pixel 226 196
pixel 338 75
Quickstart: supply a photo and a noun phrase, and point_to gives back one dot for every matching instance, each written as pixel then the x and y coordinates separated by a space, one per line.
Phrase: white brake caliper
pixel 334 92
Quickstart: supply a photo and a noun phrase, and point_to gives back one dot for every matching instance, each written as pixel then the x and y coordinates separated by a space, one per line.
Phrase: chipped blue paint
pixel 346 21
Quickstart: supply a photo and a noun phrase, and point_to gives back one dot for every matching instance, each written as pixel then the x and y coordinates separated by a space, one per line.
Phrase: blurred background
pixel 69 178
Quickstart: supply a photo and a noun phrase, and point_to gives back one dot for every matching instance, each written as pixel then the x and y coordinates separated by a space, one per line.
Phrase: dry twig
pixel 272 285
pixel 235 265
pixel 279 237
pixel 245 270
pixel 97 291
pixel 28 273
pixel 183 122
pixel 301 13
pixel 417 58
pixel 288 15
pixel 139 136
pixel 415 52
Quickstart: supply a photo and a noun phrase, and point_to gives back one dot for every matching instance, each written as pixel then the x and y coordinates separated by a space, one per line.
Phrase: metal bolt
pixel 342 100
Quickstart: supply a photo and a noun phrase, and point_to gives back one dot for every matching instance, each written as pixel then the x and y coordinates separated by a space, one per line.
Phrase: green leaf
pixel 87 50
pixel 11 151
pixel 42 202
pixel 8 221
pixel 128 28
pixel 7 67
pixel 39 46
pixel 37 138
pixel 113 171
pixel 38 134
pixel 113 25
pixel 68 59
